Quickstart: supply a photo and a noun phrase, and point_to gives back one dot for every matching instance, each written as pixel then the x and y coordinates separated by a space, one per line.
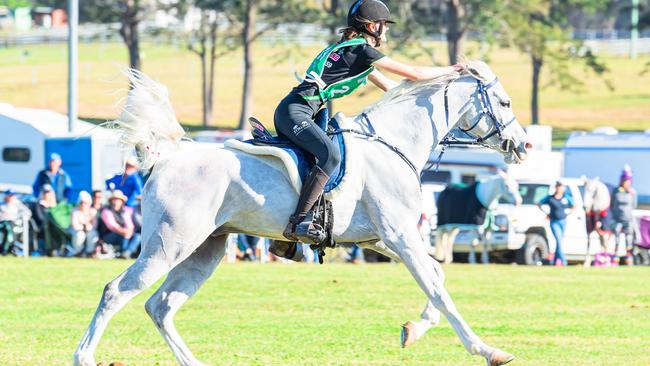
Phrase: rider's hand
pixel 460 66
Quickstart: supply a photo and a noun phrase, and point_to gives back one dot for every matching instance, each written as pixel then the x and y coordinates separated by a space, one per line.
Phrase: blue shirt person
pixel 56 177
pixel 558 202
pixel 130 183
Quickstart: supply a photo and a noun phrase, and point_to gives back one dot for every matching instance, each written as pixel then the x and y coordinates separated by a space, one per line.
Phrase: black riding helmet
pixel 363 12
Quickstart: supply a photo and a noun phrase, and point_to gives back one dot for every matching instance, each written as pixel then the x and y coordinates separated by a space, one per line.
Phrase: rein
pixel 372 136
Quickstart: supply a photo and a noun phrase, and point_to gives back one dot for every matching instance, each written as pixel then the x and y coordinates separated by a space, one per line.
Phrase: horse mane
pixel 408 89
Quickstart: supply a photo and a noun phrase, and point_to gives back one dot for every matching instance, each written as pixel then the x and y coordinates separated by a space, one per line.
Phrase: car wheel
pixel 534 251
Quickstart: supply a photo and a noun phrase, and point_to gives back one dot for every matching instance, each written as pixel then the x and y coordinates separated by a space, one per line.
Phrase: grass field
pixel 35 76
pixel 335 314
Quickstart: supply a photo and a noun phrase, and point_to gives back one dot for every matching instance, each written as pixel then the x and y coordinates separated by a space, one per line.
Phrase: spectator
pixel 56 177
pixel 247 245
pixel 558 203
pixel 117 225
pixel 46 201
pixel 98 200
pixel 130 183
pixel 12 212
pixel 355 254
pixel 624 201
pixel 134 246
pixel 83 226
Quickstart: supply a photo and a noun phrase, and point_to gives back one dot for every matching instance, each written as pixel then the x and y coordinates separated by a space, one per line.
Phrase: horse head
pixel 509 189
pixel 488 116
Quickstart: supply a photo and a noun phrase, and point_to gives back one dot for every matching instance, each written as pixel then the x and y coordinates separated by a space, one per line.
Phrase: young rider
pixel 337 71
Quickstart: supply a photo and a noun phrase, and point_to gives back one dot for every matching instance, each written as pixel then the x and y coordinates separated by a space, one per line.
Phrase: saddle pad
pixel 297 163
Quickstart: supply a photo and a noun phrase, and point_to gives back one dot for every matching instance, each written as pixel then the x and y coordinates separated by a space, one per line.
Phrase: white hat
pixel 85 197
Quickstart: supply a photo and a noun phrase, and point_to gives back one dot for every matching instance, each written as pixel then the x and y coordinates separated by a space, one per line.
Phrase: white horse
pixel 596 202
pixel 488 192
pixel 195 197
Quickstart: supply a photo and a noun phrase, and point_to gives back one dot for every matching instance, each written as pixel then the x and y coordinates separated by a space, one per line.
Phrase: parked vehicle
pixel 523 233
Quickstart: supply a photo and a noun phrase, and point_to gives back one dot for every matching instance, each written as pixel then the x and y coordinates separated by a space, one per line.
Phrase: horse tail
pixel 148 121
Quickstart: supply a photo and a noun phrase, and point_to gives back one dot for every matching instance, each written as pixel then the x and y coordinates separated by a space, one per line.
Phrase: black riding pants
pixel 294 120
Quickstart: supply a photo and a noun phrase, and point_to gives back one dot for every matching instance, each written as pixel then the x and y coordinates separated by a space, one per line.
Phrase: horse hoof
pixel 498 357
pixel 408 334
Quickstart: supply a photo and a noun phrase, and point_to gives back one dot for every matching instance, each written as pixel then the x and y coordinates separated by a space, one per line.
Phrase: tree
pixel 272 13
pixel 462 17
pixel 128 13
pixel 540 28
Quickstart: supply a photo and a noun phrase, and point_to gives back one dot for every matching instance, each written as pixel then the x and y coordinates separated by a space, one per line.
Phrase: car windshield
pixel 530 193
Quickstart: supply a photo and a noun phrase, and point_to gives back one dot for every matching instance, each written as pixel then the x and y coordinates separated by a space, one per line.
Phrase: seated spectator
pixel 46 201
pixel 134 244
pixel 56 178
pixel 130 183
pixel 12 212
pixel 116 225
pixel 98 200
pixel 83 226
pixel 54 218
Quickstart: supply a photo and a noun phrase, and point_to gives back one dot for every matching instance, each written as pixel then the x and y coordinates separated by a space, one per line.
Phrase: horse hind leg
pixel 151 265
pixel 181 283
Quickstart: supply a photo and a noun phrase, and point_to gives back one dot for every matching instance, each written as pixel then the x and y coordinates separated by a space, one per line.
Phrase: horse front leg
pixel 410 248
pixel 412 330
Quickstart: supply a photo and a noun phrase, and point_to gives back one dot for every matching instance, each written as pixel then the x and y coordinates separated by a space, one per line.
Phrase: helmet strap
pixel 375 35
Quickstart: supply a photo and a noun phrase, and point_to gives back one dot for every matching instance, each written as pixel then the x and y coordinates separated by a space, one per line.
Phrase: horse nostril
pixel 528 146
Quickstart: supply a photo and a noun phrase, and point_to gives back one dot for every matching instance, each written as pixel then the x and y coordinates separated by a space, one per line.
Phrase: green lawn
pixel 35 76
pixel 333 315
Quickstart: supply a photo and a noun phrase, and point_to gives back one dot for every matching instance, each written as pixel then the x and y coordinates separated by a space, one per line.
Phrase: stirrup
pixel 307 231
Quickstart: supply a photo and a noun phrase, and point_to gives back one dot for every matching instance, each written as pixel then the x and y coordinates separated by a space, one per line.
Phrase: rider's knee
pixel 331 161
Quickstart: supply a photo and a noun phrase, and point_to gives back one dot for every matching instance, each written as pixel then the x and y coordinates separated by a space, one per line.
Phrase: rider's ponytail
pixel 348 33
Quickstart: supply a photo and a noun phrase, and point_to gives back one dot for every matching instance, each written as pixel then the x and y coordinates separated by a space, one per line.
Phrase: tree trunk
pixel 204 90
pixel 455 35
pixel 210 72
pixel 247 35
pixel 129 33
pixel 538 62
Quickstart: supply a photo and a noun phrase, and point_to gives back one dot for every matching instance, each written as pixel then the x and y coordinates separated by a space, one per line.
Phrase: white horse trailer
pixel 605 152
pixel 90 154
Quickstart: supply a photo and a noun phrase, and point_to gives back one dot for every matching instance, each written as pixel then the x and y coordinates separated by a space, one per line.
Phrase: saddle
pixel 297 166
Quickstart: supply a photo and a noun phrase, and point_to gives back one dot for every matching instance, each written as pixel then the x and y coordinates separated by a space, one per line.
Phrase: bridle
pixel 486 111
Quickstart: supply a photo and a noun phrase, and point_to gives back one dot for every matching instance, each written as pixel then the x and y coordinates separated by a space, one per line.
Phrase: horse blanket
pixel 459 205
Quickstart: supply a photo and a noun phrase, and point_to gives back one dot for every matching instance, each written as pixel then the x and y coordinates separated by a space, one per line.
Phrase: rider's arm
pixel 415 73
pixel 381 81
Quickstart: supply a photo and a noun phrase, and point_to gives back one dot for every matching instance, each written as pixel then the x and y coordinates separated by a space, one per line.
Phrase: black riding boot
pixel 311 190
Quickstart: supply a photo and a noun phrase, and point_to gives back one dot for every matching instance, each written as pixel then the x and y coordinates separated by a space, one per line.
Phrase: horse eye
pixel 505 104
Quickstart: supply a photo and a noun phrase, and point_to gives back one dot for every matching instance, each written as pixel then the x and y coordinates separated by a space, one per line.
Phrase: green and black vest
pixel 339 88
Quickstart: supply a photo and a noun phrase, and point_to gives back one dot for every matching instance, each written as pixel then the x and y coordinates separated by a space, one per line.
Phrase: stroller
pixel 642 247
